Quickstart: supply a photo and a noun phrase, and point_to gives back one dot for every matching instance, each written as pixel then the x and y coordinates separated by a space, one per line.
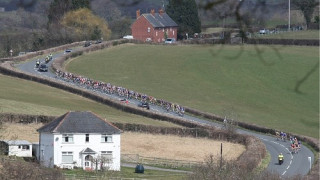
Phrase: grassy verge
pixel 264 163
pixel 237 82
pixel 127 172
pixel 25 97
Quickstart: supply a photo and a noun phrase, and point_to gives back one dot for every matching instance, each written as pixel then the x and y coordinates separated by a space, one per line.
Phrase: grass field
pixel 158 146
pixel 25 97
pixel 178 148
pixel 125 173
pixel 310 34
pixel 253 87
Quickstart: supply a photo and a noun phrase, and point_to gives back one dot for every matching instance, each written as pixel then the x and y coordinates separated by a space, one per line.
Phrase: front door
pixel 88 162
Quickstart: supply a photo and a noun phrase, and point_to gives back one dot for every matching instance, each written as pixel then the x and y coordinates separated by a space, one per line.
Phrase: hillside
pixel 218 80
pixel 24 97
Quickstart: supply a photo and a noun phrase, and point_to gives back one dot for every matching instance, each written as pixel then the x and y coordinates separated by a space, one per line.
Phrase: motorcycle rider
pixel 280 158
pixel 50 56
pixel 38 63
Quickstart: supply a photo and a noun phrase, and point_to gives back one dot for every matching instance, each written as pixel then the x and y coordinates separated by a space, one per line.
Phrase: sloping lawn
pixel 255 84
pixel 25 97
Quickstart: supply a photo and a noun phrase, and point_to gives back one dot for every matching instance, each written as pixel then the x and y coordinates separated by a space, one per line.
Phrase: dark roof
pixel 158 21
pixel 79 122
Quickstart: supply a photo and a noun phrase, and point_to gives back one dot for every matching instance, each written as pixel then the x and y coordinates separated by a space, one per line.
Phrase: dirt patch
pixel 175 147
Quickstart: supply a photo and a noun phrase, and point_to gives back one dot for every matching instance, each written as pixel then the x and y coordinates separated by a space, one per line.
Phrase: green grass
pixel 127 172
pixel 26 97
pixel 213 79
pixel 310 34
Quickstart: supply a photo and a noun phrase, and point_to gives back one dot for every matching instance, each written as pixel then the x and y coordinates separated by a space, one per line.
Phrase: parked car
pixel 144 105
pixel 68 50
pixel 43 68
pixel 128 37
pixel 98 41
pixel 170 41
pixel 87 44
pixel 264 31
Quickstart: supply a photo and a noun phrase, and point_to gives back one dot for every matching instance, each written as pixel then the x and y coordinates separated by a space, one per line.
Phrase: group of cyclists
pixel 122 92
pixel 295 144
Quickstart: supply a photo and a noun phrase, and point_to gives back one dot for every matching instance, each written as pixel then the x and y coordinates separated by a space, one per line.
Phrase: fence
pixel 154 161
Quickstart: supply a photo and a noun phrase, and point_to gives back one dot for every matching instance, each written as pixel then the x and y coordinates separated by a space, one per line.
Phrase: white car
pixel 263 31
pixel 128 37
pixel 170 41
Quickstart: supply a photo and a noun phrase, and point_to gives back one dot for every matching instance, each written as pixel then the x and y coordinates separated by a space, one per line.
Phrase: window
pixel 106 156
pixel 173 32
pixel 148 29
pixel 25 147
pixel 156 33
pixel 67 157
pixel 86 164
pixel 106 138
pixel 87 137
pixel 67 138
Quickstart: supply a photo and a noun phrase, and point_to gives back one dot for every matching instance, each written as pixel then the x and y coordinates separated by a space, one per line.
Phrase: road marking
pixel 290 162
pixel 288 167
pixel 284 173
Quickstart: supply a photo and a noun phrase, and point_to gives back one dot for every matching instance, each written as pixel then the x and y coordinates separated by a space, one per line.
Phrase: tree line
pixel 46 24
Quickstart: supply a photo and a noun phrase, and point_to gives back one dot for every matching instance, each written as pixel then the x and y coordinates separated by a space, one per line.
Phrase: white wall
pixel 15 151
pixel 79 144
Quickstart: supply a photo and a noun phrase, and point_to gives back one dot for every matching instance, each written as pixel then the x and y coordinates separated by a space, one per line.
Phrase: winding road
pixel 294 164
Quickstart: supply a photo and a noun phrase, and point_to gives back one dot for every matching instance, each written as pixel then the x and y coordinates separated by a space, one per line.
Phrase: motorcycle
pixel 280 161
pixel 37 64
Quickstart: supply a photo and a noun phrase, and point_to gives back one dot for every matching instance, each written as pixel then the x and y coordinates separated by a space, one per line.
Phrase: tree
pixel 85 25
pixel 106 9
pixel 59 7
pixel 185 14
pixel 307 8
pixel 78 4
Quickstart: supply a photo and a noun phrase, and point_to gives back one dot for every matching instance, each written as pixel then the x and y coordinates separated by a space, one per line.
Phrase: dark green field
pixel 25 97
pixel 252 87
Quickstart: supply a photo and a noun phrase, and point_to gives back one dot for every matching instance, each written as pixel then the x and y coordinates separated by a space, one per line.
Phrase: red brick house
pixel 154 27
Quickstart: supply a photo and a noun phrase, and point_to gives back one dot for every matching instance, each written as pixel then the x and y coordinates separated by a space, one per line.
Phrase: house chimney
pixel 138 13
pixel 161 11
pixel 152 12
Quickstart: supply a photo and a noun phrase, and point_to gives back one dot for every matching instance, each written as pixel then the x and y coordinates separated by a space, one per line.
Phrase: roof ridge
pixel 62 120
pixel 104 120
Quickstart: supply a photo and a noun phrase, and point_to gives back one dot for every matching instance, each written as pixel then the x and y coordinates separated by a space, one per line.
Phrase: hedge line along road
pixel 294 164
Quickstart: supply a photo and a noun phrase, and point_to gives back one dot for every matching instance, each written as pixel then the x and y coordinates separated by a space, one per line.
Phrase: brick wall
pixel 142 29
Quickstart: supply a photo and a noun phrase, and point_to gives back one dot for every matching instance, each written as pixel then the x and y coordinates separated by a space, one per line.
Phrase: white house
pixel 20 148
pixel 80 139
